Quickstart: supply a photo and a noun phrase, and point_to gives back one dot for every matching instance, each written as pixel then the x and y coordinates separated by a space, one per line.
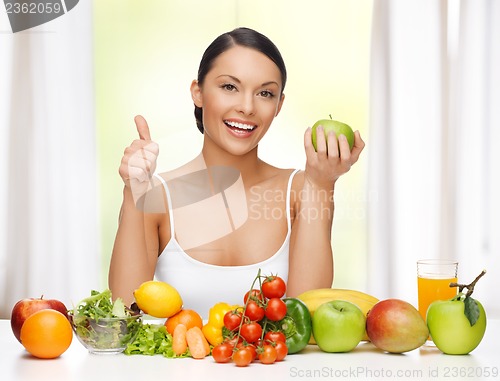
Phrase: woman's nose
pixel 246 104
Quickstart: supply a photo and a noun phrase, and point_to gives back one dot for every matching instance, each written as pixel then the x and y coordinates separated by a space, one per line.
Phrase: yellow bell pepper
pixel 213 329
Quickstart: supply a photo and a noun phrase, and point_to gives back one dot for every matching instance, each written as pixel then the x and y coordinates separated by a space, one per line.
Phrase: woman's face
pixel 240 97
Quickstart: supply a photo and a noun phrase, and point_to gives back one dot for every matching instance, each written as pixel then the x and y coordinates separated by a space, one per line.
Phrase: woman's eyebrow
pixel 230 76
pixel 235 79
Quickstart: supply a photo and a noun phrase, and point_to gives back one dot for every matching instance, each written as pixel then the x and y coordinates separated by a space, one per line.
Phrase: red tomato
pixel 254 294
pixel 251 332
pixel 281 350
pixel 275 336
pixel 242 357
pixel 268 354
pixel 254 311
pixel 222 353
pixel 273 287
pixel 275 309
pixel 232 320
pixel 234 340
pixel 250 347
pixel 259 343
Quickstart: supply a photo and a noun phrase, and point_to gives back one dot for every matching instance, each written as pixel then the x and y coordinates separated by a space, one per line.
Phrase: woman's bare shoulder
pixel 155 200
pixel 297 186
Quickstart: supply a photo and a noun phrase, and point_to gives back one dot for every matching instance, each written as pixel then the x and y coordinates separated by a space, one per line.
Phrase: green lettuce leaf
pixel 153 339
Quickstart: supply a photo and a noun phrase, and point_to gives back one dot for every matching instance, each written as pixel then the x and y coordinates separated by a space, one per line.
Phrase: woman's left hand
pixel 332 159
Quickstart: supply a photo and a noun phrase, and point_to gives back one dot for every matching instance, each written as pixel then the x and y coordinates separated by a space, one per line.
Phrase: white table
pixel 364 362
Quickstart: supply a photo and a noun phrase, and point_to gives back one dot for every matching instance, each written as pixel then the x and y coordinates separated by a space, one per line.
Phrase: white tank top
pixel 201 285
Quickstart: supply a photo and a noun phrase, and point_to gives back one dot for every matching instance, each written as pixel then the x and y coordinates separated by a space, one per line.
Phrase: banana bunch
pixel 314 298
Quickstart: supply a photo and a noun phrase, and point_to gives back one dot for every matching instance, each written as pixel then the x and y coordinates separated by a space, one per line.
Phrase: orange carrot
pixel 198 345
pixel 179 342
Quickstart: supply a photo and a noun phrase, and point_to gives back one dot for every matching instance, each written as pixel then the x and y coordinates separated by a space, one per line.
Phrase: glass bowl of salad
pixel 104 326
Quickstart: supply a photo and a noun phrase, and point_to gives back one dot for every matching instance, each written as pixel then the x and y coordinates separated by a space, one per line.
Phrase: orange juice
pixel 431 289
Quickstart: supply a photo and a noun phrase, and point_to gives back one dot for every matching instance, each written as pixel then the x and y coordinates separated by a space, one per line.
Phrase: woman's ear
pixel 278 109
pixel 196 93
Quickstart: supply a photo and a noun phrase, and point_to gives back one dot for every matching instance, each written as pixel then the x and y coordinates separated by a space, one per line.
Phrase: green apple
pixel 450 328
pixel 338 326
pixel 332 125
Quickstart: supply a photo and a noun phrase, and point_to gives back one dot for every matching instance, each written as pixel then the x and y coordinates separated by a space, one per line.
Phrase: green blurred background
pixel 147 53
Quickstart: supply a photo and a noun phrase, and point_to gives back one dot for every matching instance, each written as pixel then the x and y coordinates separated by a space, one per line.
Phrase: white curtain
pixel 48 197
pixel 433 144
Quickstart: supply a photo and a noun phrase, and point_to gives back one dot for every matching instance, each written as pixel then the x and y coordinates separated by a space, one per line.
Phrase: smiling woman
pixel 151 81
pixel 264 83
pixel 248 101
pixel 237 95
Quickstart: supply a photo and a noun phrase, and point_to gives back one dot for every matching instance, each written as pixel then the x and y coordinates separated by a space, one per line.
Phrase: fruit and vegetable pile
pixel 265 328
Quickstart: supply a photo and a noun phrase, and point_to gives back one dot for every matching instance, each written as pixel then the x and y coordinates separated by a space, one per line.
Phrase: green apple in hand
pixel 338 326
pixel 457 326
pixel 332 125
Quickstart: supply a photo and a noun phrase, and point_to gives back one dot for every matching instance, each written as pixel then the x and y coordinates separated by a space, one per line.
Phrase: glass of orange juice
pixel 433 279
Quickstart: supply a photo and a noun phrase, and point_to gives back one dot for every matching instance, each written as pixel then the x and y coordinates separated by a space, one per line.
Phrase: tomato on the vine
pixel 275 309
pixel 275 336
pixel 273 287
pixel 242 357
pixel 234 340
pixel 251 347
pixel 243 332
pixel 222 353
pixel 253 311
pixel 268 354
pixel 232 320
pixel 251 332
pixel 281 350
pixel 254 294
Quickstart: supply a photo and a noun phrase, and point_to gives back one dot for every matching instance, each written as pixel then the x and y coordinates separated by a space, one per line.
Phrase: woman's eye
pixel 266 94
pixel 228 87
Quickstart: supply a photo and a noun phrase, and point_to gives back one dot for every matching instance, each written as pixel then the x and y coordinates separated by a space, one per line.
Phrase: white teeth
pixel 240 125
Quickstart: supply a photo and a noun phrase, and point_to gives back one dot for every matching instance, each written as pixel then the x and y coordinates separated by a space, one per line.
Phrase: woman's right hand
pixel 139 161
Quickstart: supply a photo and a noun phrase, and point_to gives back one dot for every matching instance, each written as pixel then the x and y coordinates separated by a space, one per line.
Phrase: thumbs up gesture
pixel 139 161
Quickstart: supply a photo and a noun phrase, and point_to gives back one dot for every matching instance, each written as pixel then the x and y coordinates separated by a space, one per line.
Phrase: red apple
pixel 395 326
pixel 27 307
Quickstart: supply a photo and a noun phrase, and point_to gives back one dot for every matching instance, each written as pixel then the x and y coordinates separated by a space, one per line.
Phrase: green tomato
pixel 450 328
pixel 332 125
pixel 338 326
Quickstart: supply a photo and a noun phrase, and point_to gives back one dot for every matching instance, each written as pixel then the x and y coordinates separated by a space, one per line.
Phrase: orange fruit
pixel 46 334
pixel 189 318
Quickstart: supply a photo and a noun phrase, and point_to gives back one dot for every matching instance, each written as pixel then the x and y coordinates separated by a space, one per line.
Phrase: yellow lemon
pixel 158 299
